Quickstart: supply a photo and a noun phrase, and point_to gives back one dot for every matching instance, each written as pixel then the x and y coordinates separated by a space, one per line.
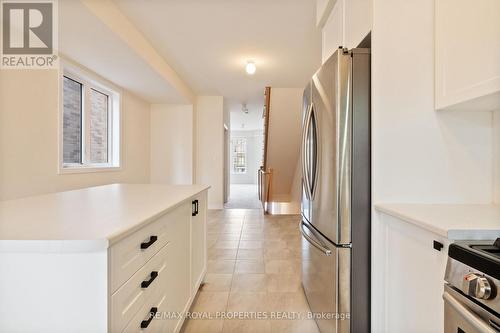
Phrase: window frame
pixel 91 81
pixel 245 139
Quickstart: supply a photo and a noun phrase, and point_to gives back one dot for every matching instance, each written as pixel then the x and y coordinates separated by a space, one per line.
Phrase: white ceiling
pixel 250 121
pixel 208 42
pixel 85 39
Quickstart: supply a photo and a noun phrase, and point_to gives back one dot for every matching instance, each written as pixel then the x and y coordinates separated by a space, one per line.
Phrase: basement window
pixel 90 124
pixel 239 155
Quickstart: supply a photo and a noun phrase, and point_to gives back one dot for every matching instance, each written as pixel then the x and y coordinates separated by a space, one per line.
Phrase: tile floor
pixel 253 266
pixel 244 196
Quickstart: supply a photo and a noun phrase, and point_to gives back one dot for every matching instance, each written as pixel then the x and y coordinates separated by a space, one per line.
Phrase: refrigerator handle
pixel 314 170
pixel 317 244
pixel 305 172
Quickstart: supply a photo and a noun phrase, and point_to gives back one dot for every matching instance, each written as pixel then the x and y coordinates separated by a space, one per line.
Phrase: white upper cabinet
pixel 467 54
pixel 332 34
pixel 346 24
pixel 358 21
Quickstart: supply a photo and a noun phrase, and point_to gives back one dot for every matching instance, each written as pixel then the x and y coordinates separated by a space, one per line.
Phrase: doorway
pixel 245 158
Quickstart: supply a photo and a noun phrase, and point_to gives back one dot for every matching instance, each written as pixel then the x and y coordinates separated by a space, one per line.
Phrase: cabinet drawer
pixel 127 256
pixel 150 280
pixel 157 300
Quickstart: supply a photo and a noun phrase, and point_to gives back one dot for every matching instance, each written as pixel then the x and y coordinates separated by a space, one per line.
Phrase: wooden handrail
pixel 266 114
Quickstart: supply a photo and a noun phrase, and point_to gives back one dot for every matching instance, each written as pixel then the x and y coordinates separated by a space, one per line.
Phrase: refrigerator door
pixel 326 280
pixel 331 124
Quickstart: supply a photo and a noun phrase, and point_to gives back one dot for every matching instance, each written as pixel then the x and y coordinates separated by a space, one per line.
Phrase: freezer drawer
pixel 326 280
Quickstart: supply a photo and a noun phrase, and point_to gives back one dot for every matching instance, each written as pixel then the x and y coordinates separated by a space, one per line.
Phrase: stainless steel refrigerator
pixel 336 193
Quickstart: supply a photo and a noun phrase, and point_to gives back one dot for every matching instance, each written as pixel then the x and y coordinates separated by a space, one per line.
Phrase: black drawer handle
pixel 147 244
pixel 145 284
pixel 152 313
pixel 437 245
pixel 197 206
pixel 194 208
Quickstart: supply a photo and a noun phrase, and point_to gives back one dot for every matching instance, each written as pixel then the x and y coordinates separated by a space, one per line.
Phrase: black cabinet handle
pixel 152 313
pixel 147 244
pixel 437 245
pixel 197 207
pixel 145 284
pixel 194 208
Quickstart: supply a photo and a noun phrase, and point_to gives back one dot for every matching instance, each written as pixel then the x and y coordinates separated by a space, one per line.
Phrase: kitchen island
pixel 114 258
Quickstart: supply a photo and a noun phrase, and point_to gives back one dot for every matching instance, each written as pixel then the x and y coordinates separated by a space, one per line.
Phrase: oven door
pixel 461 315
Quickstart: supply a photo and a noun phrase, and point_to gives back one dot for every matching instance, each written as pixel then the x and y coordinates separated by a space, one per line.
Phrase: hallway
pixel 243 196
pixel 253 267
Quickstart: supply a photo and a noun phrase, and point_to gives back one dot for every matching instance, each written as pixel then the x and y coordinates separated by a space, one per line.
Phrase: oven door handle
pixel 468 315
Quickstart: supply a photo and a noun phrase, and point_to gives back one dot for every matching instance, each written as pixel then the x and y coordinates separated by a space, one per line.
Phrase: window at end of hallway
pixel 90 124
pixel 239 155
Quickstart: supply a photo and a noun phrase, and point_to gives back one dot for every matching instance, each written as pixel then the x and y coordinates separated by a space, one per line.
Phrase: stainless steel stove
pixel 471 292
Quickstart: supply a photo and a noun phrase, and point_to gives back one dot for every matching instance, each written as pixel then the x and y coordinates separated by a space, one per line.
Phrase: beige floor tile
pixel 257 230
pixel 276 254
pixel 287 301
pixel 226 237
pixel 257 254
pixel 202 326
pixel 254 236
pixel 220 266
pixel 247 301
pixel 217 282
pixel 248 244
pixel 294 326
pixel 246 326
pixel 249 266
pixel 274 244
pixel 223 244
pixel 231 229
pixel 283 283
pixel 211 242
pixel 249 282
pixel 210 302
pixel 222 253
pixel 283 266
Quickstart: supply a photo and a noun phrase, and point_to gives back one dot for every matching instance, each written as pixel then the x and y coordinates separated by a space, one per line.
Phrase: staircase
pixel 279 175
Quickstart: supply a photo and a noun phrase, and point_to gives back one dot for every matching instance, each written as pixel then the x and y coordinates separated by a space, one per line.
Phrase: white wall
pixel 210 147
pixel 254 156
pixel 172 144
pixel 285 130
pixel 29 138
pixel 419 155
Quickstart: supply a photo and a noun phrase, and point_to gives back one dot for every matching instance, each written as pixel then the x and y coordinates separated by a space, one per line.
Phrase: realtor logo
pixel 28 34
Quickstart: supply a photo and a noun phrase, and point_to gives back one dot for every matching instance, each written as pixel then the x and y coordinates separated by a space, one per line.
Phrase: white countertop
pixel 455 222
pixel 89 219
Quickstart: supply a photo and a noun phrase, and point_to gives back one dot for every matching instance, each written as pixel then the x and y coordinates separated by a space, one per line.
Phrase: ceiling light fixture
pixel 250 67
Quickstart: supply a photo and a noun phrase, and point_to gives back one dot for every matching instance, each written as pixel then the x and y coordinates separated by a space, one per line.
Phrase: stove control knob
pixel 477 286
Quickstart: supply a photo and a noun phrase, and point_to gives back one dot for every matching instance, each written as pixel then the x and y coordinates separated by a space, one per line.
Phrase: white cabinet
pixel 348 23
pixel 332 35
pixel 413 277
pixel 154 263
pixel 198 241
pixel 467 54
pixel 358 21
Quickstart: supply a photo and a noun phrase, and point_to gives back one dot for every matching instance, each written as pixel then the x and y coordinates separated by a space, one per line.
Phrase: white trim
pixel 90 81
